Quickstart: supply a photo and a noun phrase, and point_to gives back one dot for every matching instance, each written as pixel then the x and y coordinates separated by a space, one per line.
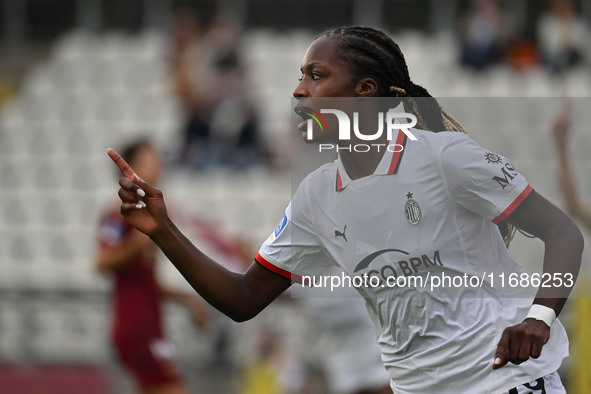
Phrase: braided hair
pixel 371 53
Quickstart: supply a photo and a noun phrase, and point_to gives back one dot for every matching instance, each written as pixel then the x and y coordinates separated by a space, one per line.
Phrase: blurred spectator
pixel 221 125
pixel 484 35
pixel 562 36
pixel 190 87
pixel 129 257
pixel 523 54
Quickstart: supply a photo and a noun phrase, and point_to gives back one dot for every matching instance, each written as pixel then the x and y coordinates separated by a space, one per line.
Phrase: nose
pixel 301 91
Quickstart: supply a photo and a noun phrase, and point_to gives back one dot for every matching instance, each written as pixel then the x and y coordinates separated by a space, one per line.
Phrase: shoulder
pixel 453 153
pixel 444 142
pixel 315 187
pixel 440 144
pixel 441 137
pixel 322 177
pixel 111 214
pixel 112 227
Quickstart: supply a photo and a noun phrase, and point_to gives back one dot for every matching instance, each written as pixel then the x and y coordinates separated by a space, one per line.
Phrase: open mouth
pixel 308 114
pixel 303 112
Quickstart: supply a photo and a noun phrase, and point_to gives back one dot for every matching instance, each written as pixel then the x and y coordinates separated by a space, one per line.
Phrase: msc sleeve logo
pixel 508 173
pixel 492 158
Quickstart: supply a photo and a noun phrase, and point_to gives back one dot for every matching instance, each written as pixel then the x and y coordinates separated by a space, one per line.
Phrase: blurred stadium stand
pixel 93 90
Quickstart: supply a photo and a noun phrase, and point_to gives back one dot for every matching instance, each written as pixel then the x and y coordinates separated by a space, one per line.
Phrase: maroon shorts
pixel 148 360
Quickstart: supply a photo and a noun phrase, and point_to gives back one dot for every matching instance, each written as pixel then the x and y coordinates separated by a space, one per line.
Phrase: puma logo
pixel 337 233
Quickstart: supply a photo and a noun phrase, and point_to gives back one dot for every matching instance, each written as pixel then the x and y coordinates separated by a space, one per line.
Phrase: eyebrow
pixel 309 65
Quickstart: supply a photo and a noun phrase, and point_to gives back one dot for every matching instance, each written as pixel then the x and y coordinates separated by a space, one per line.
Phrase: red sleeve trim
pixel 279 271
pixel 522 196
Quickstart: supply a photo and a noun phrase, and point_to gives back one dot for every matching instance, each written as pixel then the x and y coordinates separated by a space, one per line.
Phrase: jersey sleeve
pixel 293 249
pixel 112 230
pixel 482 181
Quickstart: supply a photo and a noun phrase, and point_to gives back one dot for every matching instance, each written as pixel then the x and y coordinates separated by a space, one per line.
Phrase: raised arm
pixel 563 246
pixel 560 131
pixel 239 296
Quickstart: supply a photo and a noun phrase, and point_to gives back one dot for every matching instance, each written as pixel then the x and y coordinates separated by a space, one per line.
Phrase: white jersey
pixel 428 211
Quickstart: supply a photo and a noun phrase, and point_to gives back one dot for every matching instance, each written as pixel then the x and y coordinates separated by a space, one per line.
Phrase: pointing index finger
pixel 502 351
pixel 122 164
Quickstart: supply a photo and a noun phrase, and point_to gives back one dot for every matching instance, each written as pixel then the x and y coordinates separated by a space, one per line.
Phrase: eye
pixel 315 76
pixel 301 78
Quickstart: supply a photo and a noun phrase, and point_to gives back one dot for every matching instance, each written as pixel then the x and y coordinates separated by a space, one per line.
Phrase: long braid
pixel 371 53
pixel 454 124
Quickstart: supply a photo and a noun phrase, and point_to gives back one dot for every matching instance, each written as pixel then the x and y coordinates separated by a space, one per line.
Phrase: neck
pixel 362 164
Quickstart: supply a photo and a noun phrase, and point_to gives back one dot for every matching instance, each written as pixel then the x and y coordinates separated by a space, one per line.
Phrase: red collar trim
pixel 401 139
pixel 397 156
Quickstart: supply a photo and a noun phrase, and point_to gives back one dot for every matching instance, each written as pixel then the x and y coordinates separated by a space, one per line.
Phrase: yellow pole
pixel 580 379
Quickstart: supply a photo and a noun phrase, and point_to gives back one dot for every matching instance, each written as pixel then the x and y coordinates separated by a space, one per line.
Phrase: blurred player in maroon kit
pixel 129 256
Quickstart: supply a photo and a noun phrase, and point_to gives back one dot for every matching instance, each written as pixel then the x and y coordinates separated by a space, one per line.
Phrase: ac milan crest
pixel 412 210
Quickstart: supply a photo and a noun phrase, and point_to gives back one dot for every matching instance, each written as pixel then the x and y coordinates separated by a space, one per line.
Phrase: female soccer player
pixel 129 256
pixel 430 209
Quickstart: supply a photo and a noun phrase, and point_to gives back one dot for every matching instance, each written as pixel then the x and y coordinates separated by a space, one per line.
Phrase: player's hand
pixel 142 205
pixel 520 342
